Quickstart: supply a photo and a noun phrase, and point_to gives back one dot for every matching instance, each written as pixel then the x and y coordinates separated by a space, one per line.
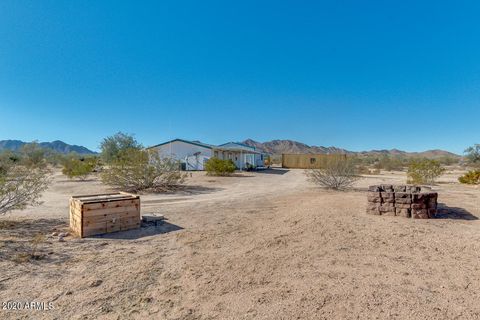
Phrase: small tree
pixel 74 167
pixel 473 154
pixel 217 167
pixel 136 170
pixel 337 172
pixel 20 186
pixel 424 171
pixel 33 156
pixel 113 147
pixel 471 177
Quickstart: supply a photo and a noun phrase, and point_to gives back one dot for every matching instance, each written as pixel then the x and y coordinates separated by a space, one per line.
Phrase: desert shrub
pixel 473 155
pixel 390 163
pixel 112 148
pixel 218 167
pixel 424 171
pixel 362 169
pixel 21 186
pixel 337 172
pixel 33 156
pixel 81 168
pixel 136 170
pixel 471 177
pixel 448 160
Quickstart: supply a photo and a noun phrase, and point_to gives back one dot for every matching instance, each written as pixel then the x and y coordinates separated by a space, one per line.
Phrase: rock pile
pixel 403 201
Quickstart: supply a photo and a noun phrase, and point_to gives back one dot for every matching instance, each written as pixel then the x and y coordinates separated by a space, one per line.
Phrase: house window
pixel 313 160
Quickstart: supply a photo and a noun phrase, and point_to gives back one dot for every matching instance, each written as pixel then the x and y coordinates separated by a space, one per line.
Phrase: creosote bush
pixel 337 172
pixel 81 168
pixel 424 171
pixel 471 177
pixel 21 185
pixel 136 170
pixel 218 167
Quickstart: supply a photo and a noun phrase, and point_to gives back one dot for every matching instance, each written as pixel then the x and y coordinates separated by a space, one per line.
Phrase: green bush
pixel 115 146
pixel 217 167
pixel 471 177
pixel 74 167
pixel 424 171
pixel 390 163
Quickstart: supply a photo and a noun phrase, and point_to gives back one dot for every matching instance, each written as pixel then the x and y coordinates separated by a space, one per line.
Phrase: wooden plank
pixel 106 212
pixel 111 217
pixel 96 195
pixel 106 200
pixel 105 230
pixel 113 204
pixel 121 223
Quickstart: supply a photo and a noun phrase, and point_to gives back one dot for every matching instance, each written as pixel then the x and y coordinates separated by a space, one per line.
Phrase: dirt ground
pixel 263 245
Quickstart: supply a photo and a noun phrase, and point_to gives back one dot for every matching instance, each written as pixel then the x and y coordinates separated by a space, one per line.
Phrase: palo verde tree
pixel 132 168
pixel 114 146
pixel 424 171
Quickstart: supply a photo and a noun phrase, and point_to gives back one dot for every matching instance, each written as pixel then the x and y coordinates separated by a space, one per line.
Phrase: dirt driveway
pixel 257 246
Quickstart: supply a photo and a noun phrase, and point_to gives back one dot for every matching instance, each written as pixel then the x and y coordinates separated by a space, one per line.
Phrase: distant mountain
pixel 289 146
pixel 57 146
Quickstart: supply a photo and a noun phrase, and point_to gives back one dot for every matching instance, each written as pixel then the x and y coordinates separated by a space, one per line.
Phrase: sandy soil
pixel 256 246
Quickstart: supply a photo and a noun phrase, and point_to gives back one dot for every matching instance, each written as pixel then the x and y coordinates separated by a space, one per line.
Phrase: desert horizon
pixel 213 160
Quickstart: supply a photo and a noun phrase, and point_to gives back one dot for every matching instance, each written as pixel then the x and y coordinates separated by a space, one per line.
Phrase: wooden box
pixel 104 213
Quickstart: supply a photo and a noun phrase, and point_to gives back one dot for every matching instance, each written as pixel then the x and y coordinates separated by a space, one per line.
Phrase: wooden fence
pixel 305 161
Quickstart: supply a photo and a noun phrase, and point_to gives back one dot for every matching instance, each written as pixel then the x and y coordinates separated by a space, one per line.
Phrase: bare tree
pixel 21 186
pixel 337 172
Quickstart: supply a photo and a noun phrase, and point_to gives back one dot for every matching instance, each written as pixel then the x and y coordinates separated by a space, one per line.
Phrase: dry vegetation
pixel 255 246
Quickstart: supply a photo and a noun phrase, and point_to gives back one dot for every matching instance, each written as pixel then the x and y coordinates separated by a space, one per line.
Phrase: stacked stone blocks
pixel 403 201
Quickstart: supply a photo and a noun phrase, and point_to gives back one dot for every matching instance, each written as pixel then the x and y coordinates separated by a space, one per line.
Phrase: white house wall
pixel 180 150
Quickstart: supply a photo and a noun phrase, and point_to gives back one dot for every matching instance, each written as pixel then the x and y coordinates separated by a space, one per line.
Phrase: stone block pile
pixel 403 201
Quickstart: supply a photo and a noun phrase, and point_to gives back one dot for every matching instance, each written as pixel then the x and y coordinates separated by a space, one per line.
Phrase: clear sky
pixel 354 74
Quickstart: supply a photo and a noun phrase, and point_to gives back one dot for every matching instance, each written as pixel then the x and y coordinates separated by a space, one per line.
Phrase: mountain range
pixel 57 146
pixel 289 146
pixel 272 147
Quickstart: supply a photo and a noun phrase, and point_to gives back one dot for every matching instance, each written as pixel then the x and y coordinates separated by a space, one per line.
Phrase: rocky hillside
pixel 57 146
pixel 289 146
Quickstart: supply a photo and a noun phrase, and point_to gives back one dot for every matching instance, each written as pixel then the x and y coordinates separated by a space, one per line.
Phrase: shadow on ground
pixel 194 190
pixel 277 171
pixel 446 212
pixel 143 232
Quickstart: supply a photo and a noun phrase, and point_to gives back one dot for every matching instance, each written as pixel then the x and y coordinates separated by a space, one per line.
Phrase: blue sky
pixel 355 74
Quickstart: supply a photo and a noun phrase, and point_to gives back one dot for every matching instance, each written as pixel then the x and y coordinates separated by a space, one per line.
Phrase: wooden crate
pixel 104 213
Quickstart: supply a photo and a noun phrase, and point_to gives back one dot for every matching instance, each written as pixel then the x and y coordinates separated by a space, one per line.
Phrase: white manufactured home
pixel 194 154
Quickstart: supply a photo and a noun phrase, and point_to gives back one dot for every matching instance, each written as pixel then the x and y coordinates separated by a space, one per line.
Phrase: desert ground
pixel 264 245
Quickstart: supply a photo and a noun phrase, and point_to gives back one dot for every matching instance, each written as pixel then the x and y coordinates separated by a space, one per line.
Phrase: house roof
pixel 233 149
pixel 196 143
pixel 238 144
